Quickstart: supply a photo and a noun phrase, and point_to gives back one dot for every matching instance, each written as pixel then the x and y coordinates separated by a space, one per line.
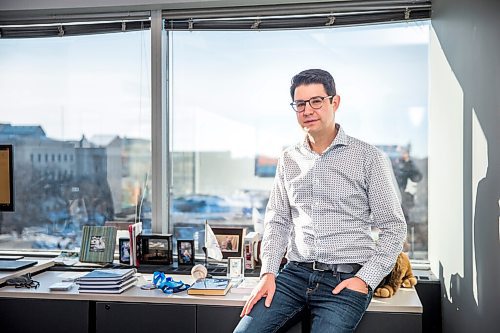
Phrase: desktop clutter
pixel 223 245
pixel 115 281
pixel 203 284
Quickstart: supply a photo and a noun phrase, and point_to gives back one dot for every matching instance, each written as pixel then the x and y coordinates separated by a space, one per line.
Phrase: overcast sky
pixel 231 89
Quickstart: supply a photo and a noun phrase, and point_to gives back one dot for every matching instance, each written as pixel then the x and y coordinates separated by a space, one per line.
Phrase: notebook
pixel 14 265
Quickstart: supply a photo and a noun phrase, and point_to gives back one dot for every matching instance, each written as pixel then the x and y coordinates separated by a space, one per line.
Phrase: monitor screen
pixel 6 179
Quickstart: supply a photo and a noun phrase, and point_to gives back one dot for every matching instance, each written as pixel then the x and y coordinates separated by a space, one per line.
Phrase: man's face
pixel 316 121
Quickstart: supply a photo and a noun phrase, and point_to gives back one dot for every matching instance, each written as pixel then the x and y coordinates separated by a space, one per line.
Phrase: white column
pixel 159 116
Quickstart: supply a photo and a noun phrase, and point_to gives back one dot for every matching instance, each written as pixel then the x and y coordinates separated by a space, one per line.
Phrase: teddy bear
pixel 400 276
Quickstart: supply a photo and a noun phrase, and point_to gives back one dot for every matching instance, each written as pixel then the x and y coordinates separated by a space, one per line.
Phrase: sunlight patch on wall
pixel 446 186
pixel 479 169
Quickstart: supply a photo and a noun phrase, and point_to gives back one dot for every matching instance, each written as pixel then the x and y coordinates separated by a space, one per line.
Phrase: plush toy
pixel 400 276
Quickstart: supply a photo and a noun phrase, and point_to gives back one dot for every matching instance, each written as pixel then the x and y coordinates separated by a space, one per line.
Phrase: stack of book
pixel 107 281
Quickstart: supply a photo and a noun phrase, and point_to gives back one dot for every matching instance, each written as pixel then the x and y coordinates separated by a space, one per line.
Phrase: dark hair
pixel 311 76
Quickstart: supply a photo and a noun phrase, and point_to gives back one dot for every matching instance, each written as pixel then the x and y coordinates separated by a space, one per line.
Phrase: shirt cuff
pixel 269 267
pixel 370 275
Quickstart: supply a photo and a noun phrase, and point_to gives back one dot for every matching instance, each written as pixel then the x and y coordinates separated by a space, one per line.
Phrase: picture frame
pixel 98 244
pixel 230 241
pixel 235 268
pixel 156 249
pixel 124 250
pixel 185 252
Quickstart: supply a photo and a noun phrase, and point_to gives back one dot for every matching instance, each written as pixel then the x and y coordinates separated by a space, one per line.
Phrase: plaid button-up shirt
pixel 322 208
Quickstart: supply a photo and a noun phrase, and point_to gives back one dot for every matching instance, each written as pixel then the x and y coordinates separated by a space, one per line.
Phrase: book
pixel 110 281
pixel 98 244
pixel 108 275
pixel 134 232
pixel 101 282
pixel 210 286
pixel 111 289
pixel 109 285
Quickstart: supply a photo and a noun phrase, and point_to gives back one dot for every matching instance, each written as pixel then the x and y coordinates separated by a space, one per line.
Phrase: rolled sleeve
pixel 277 225
pixel 387 217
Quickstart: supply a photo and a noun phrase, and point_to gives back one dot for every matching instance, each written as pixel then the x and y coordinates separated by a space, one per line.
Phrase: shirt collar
pixel 341 139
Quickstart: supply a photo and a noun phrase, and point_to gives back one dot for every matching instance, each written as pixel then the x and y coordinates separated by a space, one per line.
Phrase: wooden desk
pixel 152 309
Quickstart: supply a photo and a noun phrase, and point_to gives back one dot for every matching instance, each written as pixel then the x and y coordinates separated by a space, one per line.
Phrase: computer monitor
pixel 6 178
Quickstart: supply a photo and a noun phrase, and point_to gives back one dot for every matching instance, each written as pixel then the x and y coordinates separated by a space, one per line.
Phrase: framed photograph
pixel 156 249
pixel 124 246
pixel 230 241
pixel 185 252
pixel 235 268
pixel 98 244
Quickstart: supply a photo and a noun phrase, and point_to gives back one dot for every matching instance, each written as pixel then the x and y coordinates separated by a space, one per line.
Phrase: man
pixel 329 191
pixel 229 244
pixel 404 170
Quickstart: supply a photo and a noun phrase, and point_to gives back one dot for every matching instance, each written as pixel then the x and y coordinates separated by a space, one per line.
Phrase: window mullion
pixel 159 144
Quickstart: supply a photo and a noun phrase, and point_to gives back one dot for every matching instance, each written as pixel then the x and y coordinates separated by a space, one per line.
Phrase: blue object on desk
pixel 167 284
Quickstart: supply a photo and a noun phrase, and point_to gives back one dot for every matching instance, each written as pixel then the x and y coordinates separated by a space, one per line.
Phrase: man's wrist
pixel 267 275
pixel 366 284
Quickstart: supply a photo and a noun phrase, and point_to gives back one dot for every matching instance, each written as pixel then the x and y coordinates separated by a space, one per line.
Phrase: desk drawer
pixel 145 317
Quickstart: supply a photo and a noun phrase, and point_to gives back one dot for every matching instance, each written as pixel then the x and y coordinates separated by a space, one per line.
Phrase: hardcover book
pixel 135 231
pixel 108 289
pixel 108 275
pixel 109 285
pixel 111 281
pixel 98 244
pixel 210 286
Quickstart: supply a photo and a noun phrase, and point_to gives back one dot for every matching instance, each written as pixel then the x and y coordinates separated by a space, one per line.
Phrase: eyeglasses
pixel 315 102
pixel 23 281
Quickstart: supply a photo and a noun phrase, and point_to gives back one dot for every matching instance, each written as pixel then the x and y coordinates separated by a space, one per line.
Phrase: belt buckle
pixel 317 269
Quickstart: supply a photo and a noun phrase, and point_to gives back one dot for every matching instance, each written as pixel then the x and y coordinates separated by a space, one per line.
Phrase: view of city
pixel 79 183
pixel 62 185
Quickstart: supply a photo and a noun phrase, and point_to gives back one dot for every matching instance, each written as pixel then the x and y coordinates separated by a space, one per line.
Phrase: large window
pixel 231 117
pixel 78 111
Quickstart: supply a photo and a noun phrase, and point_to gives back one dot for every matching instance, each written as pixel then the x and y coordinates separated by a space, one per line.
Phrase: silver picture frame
pixel 235 268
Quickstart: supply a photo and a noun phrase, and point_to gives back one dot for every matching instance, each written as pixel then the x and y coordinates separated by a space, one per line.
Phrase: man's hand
pixel 265 288
pixel 354 283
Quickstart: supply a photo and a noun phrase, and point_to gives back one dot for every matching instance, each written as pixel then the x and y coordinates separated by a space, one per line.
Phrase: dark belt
pixel 336 268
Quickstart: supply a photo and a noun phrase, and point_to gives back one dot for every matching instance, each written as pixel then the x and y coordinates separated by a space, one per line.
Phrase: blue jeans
pixel 299 289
